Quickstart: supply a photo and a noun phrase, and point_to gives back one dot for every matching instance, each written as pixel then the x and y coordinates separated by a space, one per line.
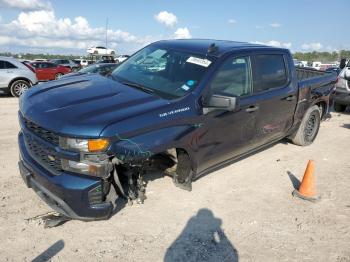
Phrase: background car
pixel 341 95
pixel 102 69
pixel 100 50
pixel 67 63
pixel 49 71
pixel 333 69
pixel 121 58
pixel 15 77
pixel 106 60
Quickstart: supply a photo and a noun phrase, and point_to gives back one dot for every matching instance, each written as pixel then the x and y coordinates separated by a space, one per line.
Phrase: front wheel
pixel 19 87
pixel 339 107
pixel 308 128
pixel 58 76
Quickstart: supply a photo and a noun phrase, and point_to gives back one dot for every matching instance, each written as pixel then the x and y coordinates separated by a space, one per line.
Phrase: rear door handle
pixel 290 98
pixel 251 109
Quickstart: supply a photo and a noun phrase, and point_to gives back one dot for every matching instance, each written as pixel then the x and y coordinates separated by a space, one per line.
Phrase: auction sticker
pixel 198 61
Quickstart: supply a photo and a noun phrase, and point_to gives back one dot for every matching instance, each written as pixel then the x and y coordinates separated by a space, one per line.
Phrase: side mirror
pixel 222 102
pixel 342 63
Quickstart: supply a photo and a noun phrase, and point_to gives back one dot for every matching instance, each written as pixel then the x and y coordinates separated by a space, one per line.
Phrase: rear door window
pixel 269 72
pixel 9 65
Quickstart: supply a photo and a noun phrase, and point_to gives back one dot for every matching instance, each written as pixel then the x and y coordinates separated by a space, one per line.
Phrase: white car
pixel 121 58
pixel 16 77
pixel 100 50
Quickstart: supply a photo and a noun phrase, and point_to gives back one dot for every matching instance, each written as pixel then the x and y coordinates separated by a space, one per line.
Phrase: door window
pixel 50 65
pixel 269 72
pixel 233 78
pixel 6 65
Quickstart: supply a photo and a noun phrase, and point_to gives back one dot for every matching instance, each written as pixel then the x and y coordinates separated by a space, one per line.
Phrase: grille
pixel 44 156
pixel 41 132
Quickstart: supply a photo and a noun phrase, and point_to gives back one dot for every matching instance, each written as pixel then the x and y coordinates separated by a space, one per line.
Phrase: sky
pixel 69 27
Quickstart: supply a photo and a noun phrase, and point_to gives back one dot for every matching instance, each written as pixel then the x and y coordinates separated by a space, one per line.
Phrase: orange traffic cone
pixel 307 189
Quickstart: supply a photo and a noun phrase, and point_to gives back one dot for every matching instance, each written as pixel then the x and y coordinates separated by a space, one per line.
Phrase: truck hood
pixel 83 106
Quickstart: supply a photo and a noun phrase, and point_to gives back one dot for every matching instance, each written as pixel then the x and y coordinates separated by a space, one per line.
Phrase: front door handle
pixel 251 109
pixel 290 98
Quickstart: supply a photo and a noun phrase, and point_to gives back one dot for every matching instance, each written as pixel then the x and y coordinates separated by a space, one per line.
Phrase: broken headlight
pixel 93 165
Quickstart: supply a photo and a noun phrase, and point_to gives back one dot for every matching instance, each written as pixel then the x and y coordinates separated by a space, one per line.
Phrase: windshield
pixel 166 72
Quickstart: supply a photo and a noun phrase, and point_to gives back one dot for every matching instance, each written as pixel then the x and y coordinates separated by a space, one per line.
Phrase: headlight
pixel 87 168
pixel 84 145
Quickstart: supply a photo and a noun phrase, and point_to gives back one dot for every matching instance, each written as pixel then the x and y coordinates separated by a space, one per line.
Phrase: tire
pixel 339 107
pixel 117 61
pixel 18 87
pixel 308 128
pixel 58 76
pixel 184 173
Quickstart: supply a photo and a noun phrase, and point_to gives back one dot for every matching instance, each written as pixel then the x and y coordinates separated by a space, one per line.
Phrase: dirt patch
pixel 243 212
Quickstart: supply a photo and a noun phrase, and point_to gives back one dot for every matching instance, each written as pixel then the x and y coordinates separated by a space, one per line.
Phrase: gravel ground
pixel 243 212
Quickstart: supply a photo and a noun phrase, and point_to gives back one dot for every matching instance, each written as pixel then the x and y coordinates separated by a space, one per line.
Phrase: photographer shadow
pixel 202 240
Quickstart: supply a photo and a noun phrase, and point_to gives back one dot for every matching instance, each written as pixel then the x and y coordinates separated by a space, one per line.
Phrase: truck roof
pixel 202 45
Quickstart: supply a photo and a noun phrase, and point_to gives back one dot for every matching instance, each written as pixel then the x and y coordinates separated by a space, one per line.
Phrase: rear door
pixel 3 74
pixel 51 71
pixel 275 94
pixel 8 71
pixel 41 73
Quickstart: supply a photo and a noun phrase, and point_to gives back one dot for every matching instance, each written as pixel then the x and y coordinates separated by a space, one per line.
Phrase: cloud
pixel 258 27
pixel 274 43
pixel 41 29
pixel 26 5
pixel 275 25
pixel 182 33
pixel 166 18
pixel 312 46
pixel 232 21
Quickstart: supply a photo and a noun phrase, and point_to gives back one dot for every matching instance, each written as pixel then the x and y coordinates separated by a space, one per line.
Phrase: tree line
pixel 323 57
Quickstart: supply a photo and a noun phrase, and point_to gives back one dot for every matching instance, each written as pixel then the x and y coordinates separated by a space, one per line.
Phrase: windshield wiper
pixel 138 86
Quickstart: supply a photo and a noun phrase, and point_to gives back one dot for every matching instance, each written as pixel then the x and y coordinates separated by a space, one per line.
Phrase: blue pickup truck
pixel 181 107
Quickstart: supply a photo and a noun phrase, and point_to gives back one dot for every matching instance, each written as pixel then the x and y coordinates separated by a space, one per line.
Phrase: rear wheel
pixel 58 76
pixel 19 87
pixel 308 128
pixel 339 107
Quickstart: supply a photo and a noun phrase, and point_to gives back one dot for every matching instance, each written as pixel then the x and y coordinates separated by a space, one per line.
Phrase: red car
pixel 49 71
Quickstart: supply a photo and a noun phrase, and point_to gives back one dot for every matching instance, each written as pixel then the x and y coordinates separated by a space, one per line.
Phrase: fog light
pixel 95 195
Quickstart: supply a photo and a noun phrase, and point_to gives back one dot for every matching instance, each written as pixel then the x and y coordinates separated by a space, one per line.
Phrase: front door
pixel 226 134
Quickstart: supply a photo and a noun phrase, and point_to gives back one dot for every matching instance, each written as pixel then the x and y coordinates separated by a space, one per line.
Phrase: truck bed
pixel 307 73
pixel 312 78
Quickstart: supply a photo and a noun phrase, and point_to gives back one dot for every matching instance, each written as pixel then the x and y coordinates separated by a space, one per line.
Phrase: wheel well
pixel 322 105
pixel 19 78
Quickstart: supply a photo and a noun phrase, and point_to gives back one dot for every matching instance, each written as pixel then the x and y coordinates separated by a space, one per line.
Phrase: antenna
pixel 106 33
pixel 212 48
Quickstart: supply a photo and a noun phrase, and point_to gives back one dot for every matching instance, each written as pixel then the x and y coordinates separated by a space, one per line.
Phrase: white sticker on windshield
pixel 185 87
pixel 199 61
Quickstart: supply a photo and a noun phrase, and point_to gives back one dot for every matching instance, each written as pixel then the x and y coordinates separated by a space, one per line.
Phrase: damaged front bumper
pixel 71 195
